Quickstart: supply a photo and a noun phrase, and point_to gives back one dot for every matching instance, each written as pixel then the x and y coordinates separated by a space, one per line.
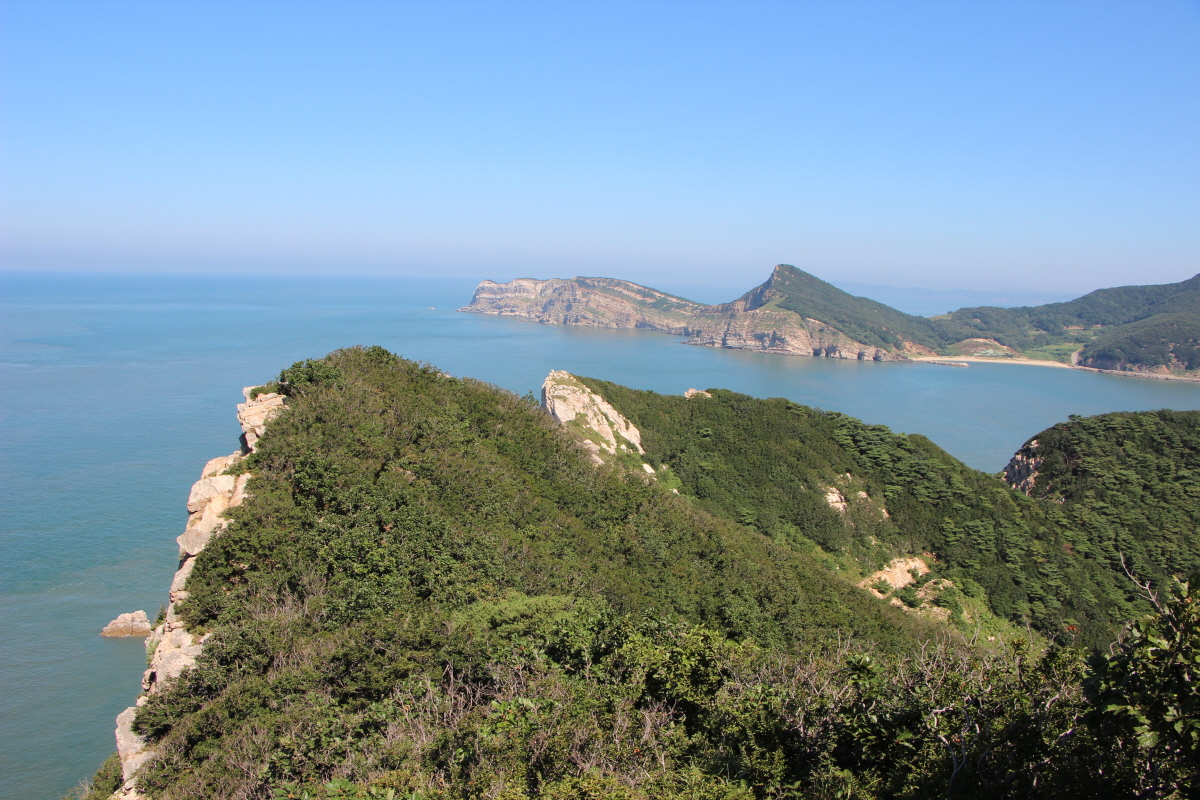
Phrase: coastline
pixel 985 360
pixel 1038 363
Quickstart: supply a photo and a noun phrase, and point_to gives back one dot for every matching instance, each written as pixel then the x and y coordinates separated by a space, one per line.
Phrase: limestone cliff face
pixel 752 322
pixel 601 428
pixel 171 646
pixel 1022 470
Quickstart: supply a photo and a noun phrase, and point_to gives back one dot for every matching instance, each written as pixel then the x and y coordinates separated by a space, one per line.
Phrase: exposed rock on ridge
pixel 1022 470
pixel 752 322
pixel 603 430
pixel 172 647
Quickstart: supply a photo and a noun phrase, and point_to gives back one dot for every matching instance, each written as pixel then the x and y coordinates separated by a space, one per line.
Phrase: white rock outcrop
pixel 255 413
pixel 172 648
pixel 835 499
pixel 897 574
pixel 133 624
pixel 604 431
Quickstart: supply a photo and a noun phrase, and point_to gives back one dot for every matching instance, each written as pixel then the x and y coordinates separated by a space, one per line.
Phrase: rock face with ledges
pixel 1022 470
pixel 172 648
pixel 601 428
pixel 752 322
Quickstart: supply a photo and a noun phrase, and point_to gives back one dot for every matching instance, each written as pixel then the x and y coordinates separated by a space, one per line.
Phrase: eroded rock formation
pixel 601 428
pixel 133 624
pixel 172 648
pixel 1022 470
pixel 752 322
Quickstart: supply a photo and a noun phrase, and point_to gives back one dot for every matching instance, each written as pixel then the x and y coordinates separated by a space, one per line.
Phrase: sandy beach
pixel 1037 363
pixel 986 360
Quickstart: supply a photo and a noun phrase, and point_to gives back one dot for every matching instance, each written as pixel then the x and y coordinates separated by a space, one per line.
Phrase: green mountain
pixel 1132 328
pixel 1163 342
pixel 1127 484
pixel 791 313
pixel 859 318
pixel 431 591
pixel 1128 327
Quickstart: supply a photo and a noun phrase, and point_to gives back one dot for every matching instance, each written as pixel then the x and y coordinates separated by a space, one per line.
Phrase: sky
pixel 950 145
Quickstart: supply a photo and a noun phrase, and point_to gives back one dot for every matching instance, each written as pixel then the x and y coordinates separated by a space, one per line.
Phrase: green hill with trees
pixel 1128 485
pixel 773 464
pixel 860 318
pixel 1122 327
pixel 431 592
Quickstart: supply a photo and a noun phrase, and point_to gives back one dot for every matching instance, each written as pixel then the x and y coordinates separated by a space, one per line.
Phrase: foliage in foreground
pixel 431 594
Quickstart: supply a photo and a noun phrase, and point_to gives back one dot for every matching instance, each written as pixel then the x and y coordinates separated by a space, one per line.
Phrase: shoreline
pixel 1037 363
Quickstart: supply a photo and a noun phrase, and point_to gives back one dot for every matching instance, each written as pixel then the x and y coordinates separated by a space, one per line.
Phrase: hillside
pixel 1162 344
pixel 431 590
pixel 1128 485
pixel 1153 329
pixel 863 496
pixel 791 313
pixel 1135 328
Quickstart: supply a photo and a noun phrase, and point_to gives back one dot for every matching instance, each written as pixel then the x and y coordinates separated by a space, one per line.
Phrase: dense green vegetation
pixel 1163 311
pixel 1129 485
pixel 1143 325
pixel 398 515
pixel 861 319
pixel 432 593
pixel 771 463
pixel 1164 340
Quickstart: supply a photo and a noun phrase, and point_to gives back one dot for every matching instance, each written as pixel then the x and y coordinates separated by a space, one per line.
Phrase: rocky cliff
pixel 600 428
pixel 754 321
pixel 171 647
pixel 1023 468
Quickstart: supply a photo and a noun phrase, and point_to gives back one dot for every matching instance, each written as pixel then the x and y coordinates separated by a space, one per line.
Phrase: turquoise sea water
pixel 114 391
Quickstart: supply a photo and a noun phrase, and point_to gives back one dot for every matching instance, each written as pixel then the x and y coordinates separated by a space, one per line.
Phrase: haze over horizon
pixel 992 147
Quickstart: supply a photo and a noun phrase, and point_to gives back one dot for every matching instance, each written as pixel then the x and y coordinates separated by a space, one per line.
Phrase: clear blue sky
pixel 984 145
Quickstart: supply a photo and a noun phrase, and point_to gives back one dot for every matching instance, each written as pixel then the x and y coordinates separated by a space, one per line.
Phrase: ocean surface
pixel 115 390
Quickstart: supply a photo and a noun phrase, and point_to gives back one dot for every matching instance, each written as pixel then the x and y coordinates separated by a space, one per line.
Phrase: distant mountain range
pixel 1141 329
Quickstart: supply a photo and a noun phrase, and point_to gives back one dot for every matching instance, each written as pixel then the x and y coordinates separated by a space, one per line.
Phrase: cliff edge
pixel 171 647
pixel 759 320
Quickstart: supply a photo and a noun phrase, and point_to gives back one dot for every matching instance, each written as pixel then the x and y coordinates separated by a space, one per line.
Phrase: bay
pixel 115 389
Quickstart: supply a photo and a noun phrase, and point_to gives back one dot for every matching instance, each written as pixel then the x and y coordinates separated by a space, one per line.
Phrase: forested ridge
pixel 1139 326
pixel 1145 326
pixel 770 464
pixel 1129 484
pixel 432 593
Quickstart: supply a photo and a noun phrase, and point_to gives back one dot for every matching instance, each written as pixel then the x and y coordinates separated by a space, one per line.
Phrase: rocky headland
pixel 754 321
pixel 795 313
pixel 171 647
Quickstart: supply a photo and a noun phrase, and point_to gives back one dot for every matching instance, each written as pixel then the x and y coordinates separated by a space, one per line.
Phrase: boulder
pixel 133 624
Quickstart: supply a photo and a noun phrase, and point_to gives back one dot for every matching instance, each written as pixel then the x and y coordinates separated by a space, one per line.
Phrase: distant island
pixel 1150 331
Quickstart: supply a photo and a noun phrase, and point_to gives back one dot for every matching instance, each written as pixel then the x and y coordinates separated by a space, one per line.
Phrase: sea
pixel 116 389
